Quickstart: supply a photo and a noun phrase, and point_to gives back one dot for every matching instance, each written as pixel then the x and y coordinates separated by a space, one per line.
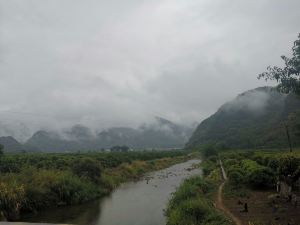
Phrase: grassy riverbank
pixel 193 202
pixel 30 182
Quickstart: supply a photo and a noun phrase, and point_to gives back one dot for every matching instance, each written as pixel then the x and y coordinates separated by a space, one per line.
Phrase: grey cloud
pixel 119 63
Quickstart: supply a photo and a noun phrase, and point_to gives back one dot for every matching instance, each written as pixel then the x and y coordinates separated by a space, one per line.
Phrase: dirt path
pixel 220 204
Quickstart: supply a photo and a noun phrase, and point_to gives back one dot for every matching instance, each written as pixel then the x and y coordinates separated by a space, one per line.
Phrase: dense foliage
pixel 191 206
pixel 192 203
pixel 261 169
pixel 289 76
pixel 255 119
pixel 30 182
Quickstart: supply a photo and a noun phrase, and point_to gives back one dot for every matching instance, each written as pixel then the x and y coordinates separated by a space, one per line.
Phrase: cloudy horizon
pixel 120 63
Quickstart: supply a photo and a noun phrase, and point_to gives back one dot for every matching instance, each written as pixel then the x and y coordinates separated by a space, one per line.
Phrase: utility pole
pixel 288 136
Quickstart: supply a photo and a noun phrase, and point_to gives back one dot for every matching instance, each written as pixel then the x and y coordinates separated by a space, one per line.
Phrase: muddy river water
pixel 133 203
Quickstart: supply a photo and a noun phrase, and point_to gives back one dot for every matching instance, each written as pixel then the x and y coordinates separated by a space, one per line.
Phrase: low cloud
pixel 120 63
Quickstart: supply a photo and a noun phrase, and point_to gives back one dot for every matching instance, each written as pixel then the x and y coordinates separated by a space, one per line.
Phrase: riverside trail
pixel 220 204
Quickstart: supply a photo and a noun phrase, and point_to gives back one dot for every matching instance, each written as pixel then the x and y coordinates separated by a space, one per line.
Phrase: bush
pixel 231 162
pixel 12 198
pixel 273 164
pixel 191 206
pixel 262 177
pixel 288 165
pixel 88 168
pixel 189 212
pixel 45 188
pixel 70 189
pixel 209 150
pixel 208 167
pixel 236 177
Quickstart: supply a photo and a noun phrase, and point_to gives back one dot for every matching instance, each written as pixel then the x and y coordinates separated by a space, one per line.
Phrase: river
pixel 133 203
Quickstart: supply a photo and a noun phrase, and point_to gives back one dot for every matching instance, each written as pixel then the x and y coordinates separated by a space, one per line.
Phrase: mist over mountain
pixel 10 144
pixel 17 130
pixel 160 133
pixel 255 118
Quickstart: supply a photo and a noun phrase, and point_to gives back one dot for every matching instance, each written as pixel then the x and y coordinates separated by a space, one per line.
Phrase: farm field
pixel 255 178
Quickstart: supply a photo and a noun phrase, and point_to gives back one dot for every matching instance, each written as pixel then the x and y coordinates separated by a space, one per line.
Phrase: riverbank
pixel 140 202
pixel 194 201
pixel 30 183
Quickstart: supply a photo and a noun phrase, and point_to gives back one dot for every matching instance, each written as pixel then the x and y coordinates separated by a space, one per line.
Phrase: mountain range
pixel 161 134
pixel 258 118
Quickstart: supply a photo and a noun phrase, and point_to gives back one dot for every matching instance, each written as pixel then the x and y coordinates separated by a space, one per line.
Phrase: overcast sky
pixel 121 62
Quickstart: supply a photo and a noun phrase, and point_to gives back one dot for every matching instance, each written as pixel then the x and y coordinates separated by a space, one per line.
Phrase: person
pixel 290 197
pixel 246 207
pixel 278 186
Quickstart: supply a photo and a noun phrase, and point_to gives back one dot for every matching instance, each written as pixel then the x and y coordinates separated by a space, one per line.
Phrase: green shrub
pixel 236 177
pixel 189 212
pixel 191 206
pixel 88 168
pixel 207 167
pixel 261 178
pixel 12 198
pixel 230 162
pixel 258 176
pixel 209 150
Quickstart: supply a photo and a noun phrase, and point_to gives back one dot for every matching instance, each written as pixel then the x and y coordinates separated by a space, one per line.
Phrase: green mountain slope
pixel 255 118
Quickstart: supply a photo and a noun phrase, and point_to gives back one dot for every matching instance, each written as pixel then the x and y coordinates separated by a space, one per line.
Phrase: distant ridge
pixel 254 119
pixel 160 134
pixel 10 144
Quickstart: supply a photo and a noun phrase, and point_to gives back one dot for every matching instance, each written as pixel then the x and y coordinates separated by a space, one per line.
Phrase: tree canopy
pixel 1 150
pixel 289 76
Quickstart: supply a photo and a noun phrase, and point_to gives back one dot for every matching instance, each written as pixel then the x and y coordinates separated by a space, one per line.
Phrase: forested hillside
pixel 256 118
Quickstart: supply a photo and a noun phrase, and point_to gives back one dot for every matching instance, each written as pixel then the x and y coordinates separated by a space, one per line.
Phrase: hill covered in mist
pixel 160 134
pixel 10 144
pixel 254 119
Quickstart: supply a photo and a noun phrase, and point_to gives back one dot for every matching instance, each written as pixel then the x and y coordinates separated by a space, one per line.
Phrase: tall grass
pixel 32 182
pixel 190 205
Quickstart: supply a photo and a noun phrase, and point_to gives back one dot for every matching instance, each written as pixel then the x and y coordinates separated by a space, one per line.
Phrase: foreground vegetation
pixel 250 173
pixel 193 202
pixel 268 181
pixel 30 182
pixel 262 169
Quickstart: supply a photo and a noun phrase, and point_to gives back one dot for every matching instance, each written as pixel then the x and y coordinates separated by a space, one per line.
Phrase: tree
pixel 289 166
pixel 118 148
pixel 261 177
pixel 236 177
pixel 289 76
pixel 209 150
pixel 1 151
